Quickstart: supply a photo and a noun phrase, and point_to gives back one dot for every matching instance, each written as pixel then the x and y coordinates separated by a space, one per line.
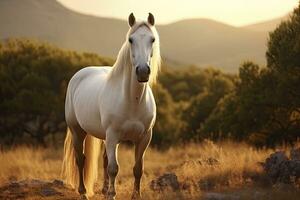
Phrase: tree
pixel 264 109
pixel 284 61
pixel 201 106
pixel 184 83
pixel 168 124
pixel 34 78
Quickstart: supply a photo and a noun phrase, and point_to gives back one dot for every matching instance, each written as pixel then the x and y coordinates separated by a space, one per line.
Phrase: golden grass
pixel 27 163
pixel 224 167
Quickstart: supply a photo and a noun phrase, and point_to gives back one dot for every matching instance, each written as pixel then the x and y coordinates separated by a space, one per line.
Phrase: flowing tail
pixel 91 151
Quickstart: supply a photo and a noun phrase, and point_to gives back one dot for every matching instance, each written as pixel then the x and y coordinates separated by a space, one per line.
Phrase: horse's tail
pixel 91 151
pixel 69 168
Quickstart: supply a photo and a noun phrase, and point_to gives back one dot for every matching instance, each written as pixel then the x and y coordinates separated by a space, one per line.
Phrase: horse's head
pixel 141 39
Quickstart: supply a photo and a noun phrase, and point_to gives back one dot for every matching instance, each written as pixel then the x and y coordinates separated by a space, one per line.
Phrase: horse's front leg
pixel 138 168
pixel 105 174
pixel 112 167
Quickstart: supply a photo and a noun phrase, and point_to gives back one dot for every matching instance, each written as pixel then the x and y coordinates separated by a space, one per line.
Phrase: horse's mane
pixel 123 59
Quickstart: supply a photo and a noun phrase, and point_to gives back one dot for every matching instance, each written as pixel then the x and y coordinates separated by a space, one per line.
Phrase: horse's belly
pixel 88 116
pixel 86 105
pixel 94 129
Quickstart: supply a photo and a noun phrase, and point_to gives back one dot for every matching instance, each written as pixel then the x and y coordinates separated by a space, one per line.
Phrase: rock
pixel 206 185
pixel 32 182
pixel 273 163
pixel 218 196
pixel 290 171
pixel 36 189
pixel 49 192
pixel 165 181
pixel 281 169
pixel 295 154
pixel 58 183
pixel 14 184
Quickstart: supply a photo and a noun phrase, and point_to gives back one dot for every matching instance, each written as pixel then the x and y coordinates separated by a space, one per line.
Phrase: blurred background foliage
pixel 259 105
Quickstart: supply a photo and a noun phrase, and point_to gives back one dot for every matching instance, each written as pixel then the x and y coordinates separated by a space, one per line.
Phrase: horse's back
pixel 89 72
pixel 86 76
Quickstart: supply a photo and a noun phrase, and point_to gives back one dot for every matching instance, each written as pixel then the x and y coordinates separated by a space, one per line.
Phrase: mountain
pixel 209 43
pixel 49 20
pixel 267 26
pixel 201 42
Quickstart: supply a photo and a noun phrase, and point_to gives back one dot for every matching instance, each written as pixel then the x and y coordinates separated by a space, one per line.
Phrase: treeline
pixel 264 108
pixel 33 81
pixel 259 105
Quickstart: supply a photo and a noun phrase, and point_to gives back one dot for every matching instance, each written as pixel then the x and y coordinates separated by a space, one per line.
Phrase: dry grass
pixel 227 167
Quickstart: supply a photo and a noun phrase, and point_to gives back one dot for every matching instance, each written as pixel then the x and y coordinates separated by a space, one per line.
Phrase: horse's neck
pixel 136 90
pixel 124 77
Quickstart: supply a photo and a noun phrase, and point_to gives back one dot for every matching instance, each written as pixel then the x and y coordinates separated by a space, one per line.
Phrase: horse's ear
pixel 131 20
pixel 151 19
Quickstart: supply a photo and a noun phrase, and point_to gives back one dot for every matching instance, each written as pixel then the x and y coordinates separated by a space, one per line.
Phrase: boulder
pixel 165 181
pixel 273 164
pixel 280 168
pixel 48 191
pixel 295 154
pixel 219 196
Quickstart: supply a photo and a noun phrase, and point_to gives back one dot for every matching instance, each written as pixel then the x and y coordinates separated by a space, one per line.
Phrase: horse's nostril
pixel 143 71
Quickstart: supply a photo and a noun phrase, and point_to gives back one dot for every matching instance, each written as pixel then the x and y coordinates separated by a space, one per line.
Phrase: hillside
pixel 209 43
pixel 199 41
pixel 266 26
pixel 50 21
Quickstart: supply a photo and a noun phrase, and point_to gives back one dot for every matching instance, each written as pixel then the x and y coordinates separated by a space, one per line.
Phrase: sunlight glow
pixel 234 12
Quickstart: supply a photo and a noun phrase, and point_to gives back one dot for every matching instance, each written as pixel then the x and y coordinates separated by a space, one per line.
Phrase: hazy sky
pixel 234 12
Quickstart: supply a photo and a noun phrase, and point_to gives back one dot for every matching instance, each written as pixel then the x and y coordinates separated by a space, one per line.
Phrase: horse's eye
pixel 130 40
pixel 153 40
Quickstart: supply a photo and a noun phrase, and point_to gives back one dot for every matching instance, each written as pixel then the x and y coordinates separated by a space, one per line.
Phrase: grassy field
pixel 227 168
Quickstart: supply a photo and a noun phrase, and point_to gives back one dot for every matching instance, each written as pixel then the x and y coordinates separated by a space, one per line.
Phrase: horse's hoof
pixel 104 190
pixel 136 196
pixel 83 197
pixel 108 197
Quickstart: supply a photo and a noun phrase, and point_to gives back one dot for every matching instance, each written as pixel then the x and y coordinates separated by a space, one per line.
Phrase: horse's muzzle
pixel 143 73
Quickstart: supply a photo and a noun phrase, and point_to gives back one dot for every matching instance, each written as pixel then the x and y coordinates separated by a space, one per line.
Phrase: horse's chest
pixel 130 121
pixel 131 126
pixel 132 129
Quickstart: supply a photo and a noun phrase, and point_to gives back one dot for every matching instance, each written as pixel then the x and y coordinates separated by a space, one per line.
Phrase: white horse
pixel 112 104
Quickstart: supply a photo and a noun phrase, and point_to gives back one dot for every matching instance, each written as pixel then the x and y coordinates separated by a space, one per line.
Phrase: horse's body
pixel 112 104
pixel 96 103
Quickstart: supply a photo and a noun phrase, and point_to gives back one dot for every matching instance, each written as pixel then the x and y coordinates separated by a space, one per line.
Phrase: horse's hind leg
pixel 105 174
pixel 78 138
pixel 138 168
